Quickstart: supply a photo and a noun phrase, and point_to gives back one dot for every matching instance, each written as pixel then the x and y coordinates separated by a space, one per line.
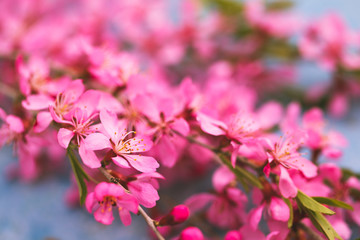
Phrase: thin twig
pixel 194 140
pixel 147 218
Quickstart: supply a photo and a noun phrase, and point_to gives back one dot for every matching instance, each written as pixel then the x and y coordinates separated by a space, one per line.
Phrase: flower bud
pixel 191 233
pixel 177 215
pixel 233 235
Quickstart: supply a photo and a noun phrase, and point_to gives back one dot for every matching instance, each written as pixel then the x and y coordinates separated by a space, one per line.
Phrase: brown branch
pixel 148 219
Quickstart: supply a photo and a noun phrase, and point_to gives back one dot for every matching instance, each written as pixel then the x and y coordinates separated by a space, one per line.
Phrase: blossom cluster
pixel 137 100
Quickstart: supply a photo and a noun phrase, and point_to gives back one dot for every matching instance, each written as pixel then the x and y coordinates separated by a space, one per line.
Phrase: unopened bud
pixel 233 235
pixel 191 233
pixel 177 215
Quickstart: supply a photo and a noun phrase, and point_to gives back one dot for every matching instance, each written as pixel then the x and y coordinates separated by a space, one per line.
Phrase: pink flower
pixel 65 100
pixel 276 23
pixel 269 205
pixel 114 137
pixel 330 43
pixel 109 195
pixel 35 78
pixel 227 208
pixel 329 143
pixel 161 112
pixel 112 69
pixel 241 130
pixel 12 128
pixel 284 154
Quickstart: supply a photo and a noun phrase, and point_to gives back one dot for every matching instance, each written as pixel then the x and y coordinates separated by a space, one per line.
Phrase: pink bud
pixel 233 235
pixel 191 233
pixel 180 213
pixel 177 215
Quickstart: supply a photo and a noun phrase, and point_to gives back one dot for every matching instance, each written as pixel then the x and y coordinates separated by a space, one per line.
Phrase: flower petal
pixel 221 178
pixel 211 126
pixel 37 102
pixel 145 193
pixel 255 216
pixel 142 163
pixel 286 185
pixel 180 125
pixel 88 157
pixel 43 120
pixel 125 217
pixel 121 162
pixel 306 167
pixel 104 216
pixel 198 201
pixel 279 210
pixel 96 141
pixel 15 123
pixel 110 122
pixel 90 202
pixel 64 137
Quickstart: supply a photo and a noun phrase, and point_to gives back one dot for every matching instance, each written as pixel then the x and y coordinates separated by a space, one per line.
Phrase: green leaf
pixel 228 7
pixel 291 218
pixel 79 175
pixel 241 173
pixel 323 225
pixel 333 202
pixel 279 5
pixel 311 204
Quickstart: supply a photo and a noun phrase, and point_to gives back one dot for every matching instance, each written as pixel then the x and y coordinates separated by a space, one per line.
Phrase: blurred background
pixel 34 211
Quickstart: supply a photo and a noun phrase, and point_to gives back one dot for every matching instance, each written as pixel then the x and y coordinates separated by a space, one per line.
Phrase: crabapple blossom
pixel 109 195
pixel 114 137
pixel 284 154
pixel 226 200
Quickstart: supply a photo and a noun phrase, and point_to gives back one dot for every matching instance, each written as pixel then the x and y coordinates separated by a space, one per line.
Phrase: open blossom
pixel 241 130
pixel 107 196
pixel 112 69
pixel 284 153
pixel 114 137
pixel 26 146
pixel 65 100
pixel 227 208
pixel 163 118
pixel 331 43
pixel 327 142
pixel 276 23
pixel 270 205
